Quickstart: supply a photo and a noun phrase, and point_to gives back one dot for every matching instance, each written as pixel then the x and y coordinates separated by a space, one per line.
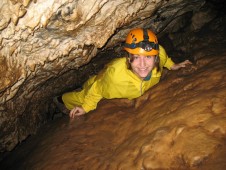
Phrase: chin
pixel 143 76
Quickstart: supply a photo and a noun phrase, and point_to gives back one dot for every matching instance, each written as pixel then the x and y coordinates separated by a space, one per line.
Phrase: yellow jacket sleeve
pixel 165 61
pixel 95 90
pixel 93 94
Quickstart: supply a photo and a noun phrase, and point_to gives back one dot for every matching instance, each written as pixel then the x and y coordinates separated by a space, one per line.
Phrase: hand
pixel 181 65
pixel 76 111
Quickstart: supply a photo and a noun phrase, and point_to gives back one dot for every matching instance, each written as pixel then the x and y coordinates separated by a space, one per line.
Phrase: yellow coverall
pixel 116 81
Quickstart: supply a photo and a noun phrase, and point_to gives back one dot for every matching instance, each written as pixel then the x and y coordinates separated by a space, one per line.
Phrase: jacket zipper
pixel 141 87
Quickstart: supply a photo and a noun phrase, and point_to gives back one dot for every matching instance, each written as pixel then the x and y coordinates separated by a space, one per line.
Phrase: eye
pixel 149 57
pixel 135 57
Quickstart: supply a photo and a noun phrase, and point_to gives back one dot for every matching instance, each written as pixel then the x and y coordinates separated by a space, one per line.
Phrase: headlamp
pixel 145 45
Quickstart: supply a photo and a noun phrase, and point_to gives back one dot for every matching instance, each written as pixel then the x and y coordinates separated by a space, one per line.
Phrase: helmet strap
pixel 145 35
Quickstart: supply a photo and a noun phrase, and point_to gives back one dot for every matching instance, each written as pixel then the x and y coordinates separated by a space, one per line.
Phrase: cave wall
pixel 46 47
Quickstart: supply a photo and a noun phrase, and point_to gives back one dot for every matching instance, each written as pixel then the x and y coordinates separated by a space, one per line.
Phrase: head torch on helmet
pixel 145 45
pixel 141 42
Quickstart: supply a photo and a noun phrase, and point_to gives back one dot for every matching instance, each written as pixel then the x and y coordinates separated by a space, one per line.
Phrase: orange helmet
pixel 142 42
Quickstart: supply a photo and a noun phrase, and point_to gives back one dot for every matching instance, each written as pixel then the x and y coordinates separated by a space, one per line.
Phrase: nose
pixel 142 61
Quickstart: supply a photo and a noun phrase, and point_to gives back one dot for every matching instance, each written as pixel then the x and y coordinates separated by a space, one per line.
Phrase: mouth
pixel 142 69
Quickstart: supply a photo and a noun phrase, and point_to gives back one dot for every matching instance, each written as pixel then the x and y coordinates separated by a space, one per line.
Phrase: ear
pixel 156 59
pixel 129 59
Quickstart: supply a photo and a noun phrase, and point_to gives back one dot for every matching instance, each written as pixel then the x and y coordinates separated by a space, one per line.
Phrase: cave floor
pixel 53 147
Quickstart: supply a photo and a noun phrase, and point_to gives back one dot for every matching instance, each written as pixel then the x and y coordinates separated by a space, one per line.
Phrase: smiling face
pixel 142 65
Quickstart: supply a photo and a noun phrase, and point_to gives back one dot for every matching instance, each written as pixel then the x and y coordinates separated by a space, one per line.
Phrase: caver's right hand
pixel 76 111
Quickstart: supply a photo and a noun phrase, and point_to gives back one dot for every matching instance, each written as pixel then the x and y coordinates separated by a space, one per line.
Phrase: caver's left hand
pixel 181 65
